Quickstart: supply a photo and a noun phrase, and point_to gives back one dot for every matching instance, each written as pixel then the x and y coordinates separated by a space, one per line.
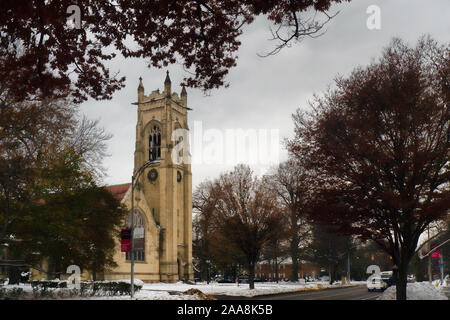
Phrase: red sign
pixel 125 242
pixel 436 254
pixel 125 245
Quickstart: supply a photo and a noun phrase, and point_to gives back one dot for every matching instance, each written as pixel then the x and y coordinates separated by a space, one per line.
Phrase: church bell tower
pixel 164 191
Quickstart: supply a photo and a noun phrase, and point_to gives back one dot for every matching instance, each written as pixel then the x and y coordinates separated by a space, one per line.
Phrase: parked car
pixel 376 284
pixel 386 276
pixel 225 280
pixel 243 280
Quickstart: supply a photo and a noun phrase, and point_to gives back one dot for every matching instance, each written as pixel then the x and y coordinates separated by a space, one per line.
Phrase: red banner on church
pixel 125 242
pixel 125 245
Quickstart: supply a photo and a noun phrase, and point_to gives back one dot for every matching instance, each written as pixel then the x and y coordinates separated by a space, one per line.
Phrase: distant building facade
pixel 268 270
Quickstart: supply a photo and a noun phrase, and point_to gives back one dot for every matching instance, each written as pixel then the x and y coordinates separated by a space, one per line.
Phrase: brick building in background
pixel 267 270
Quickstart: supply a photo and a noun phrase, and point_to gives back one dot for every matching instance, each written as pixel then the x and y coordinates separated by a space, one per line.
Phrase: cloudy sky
pixel 264 92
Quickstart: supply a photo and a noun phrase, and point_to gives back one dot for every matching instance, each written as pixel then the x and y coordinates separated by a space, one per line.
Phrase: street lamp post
pixel 134 178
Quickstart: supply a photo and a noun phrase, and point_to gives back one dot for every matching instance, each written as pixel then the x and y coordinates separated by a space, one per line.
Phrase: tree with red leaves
pixel 379 143
pixel 42 55
pixel 246 215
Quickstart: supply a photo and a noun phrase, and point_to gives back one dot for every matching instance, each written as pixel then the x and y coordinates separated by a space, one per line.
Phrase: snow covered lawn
pixel 417 291
pixel 231 289
pixel 151 295
pixel 177 291
pixel 62 293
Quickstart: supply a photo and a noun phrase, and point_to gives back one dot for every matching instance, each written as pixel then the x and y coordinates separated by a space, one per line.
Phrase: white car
pixel 376 284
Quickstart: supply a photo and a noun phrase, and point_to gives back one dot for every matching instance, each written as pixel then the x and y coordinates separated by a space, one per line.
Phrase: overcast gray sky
pixel 264 92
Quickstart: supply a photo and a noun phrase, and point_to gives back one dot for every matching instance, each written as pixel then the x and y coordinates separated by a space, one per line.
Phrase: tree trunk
pixel 276 270
pixel 13 275
pixel 94 271
pixel 419 269
pixel 402 277
pixel 294 257
pixel 430 273
pixel 329 273
pixel 333 274
pixel 251 277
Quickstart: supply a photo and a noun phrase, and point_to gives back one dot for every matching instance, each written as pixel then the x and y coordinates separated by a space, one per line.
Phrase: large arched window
pixel 154 143
pixel 139 236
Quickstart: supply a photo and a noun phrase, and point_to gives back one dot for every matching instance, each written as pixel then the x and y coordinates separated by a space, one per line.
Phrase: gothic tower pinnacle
pixel 167 84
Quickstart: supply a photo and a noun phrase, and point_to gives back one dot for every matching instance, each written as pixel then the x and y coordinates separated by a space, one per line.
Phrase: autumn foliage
pixel 41 55
pixel 379 146
pixel 240 214
pixel 50 205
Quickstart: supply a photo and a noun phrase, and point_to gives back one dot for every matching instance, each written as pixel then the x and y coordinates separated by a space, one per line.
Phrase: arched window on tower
pixel 154 143
pixel 139 236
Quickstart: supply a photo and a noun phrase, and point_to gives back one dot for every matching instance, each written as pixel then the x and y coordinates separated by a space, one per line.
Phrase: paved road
pixel 352 293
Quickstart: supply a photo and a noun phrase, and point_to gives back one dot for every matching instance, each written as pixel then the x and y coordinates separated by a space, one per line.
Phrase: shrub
pixel 109 288
pixel 48 284
pixel 14 293
pixel 49 289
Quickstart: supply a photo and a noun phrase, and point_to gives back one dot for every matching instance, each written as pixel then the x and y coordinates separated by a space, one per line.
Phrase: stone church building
pixel 162 193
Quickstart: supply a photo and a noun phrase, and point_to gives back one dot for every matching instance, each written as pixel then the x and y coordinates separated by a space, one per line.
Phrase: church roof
pixel 119 190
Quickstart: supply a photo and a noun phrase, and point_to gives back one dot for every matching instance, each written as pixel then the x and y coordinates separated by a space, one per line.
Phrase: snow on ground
pixel 139 295
pixel 417 291
pixel 175 291
pixel 150 295
pixel 231 289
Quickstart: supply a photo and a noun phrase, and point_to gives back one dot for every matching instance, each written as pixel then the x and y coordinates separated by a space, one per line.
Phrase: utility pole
pixel 132 236
pixel 430 274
